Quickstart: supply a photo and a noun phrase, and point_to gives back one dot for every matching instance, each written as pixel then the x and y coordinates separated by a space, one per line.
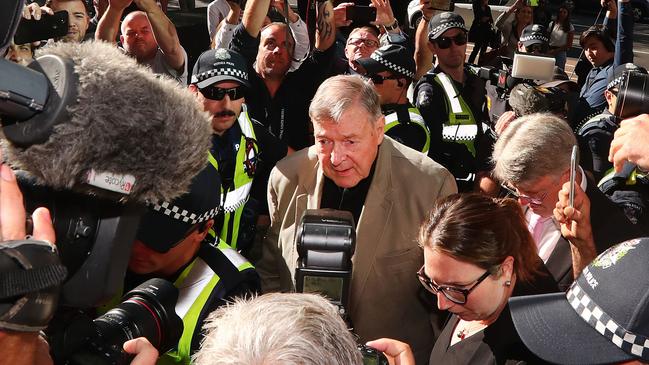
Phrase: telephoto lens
pixel 146 311
pixel 633 98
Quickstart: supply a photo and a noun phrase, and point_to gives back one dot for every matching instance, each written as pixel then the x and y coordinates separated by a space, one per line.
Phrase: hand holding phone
pixel 49 26
pixel 361 15
pixel 573 172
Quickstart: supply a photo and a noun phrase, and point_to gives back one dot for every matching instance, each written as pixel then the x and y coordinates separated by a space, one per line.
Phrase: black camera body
pixel 325 241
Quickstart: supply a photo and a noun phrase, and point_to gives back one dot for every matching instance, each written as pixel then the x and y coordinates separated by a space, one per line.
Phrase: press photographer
pixel 95 186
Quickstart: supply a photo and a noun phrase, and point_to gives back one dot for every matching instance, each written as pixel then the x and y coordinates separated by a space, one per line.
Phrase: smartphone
pixel 49 26
pixel 360 14
pixel 444 5
pixel 573 172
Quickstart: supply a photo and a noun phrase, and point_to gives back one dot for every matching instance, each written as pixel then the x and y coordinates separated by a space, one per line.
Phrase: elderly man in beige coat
pixel 389 188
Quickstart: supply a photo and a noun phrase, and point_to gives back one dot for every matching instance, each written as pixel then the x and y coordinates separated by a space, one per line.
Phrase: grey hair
pixel 337 94
pixel 531 147
pixel 277 328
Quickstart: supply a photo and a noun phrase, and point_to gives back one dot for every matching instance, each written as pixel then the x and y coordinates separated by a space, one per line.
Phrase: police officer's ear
pixel 193 88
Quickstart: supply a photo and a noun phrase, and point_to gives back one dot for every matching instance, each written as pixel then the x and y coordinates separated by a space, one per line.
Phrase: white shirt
pixel 559 37
pixel 547 235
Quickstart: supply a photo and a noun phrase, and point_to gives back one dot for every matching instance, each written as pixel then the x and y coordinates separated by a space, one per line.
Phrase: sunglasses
pixel 455 295
pixel 536 48
pixel 217 93
pixel 378 79
pixel 445 42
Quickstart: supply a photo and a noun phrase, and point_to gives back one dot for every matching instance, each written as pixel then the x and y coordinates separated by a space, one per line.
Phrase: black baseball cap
pixel 166 224
pixel 220 64
pixel 394 58
pixel 617 76
pixel 442 22
pixel 603 318
pixel 534 34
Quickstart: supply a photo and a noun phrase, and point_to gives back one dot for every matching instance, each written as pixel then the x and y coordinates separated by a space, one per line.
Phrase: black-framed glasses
pixel 537 48
pixel 217 93
pixel 378 79
pixel 445 42
pixel 370 43
pixel 455 295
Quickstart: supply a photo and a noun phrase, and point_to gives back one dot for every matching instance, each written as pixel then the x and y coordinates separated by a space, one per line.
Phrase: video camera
pixel 325 242
pixel 521 68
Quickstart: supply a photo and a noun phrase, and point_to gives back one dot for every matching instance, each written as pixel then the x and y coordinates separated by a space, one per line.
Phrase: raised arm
pixel 164 32
pixel 108 26
pixel 423 54
pixel 325 35
pixel 253 16
pixel 624 40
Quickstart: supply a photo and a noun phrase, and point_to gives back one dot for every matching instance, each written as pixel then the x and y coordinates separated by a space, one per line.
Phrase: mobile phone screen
pixel 573 172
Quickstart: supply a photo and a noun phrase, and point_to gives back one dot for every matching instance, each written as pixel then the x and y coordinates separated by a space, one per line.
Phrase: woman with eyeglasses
pixel 562 32
pixel 511 29
pixel 478 253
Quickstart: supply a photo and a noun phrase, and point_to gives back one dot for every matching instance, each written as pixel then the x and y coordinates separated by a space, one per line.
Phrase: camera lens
pixel 146 311
pixel 632 97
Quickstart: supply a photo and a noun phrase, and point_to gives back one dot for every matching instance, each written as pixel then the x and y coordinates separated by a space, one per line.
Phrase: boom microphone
pixel 107 125
pixel 100 134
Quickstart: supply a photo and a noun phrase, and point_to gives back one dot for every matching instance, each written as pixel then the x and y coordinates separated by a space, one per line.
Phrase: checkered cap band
pixel 175 212
pixel 392 66
pixel 535 37
pixel 228 71
pixel 615 83
pixel 445 26
pixel 590 312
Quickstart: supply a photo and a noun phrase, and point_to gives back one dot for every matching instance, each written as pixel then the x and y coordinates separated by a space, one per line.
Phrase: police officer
pixel 243 151
pixel 391 69
pixel 170 245
pixel 452 100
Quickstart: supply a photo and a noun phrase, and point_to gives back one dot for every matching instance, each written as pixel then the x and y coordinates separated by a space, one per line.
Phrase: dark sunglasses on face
pixel 217 93
pixel 536 48
pixel 378 79
pixel 445 42
pixel 455 295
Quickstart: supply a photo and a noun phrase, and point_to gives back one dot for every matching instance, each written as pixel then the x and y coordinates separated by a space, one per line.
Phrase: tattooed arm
pixel 326 27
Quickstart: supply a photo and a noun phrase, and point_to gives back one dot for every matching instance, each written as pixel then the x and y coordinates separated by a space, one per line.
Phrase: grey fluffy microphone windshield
pixel 127 134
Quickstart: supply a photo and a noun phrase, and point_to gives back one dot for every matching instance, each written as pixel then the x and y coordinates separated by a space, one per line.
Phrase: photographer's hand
pixel 145 353
pixel 384 14
pixel 575 226
pixel 21 348
pixel 12 212
pixel 631 143
pixel 397 352
pixel 340 14
pixel 33 11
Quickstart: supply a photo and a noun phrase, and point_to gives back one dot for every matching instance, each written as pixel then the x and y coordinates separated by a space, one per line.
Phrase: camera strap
pixel 29 285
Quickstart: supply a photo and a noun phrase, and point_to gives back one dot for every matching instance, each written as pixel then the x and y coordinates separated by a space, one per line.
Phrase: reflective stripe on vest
pixel 392 120
pixel 195 284
pixel 461 127
pixel 236 199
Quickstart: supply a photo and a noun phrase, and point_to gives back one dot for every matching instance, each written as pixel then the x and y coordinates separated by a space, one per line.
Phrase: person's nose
pixel 443 303
pixel 338 154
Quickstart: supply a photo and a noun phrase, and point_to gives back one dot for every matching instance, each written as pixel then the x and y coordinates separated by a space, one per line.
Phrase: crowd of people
pixel 465 185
